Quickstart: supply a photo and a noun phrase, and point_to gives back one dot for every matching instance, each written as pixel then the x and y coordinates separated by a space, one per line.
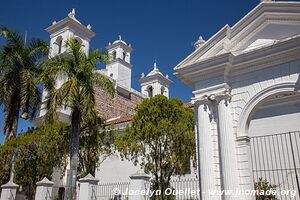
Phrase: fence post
pixel 85 187
pixel 44 189
pixel 138 182
pixel 9 190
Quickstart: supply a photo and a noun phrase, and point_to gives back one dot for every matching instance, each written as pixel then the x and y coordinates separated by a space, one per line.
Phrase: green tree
pixel 161 139
pixel 95 144
pixel 261 187
pixel 37 153
pixel 19 70
pixel 77 92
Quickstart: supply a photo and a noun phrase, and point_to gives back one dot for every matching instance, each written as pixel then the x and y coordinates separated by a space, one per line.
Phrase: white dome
pixel 154 71
pixel 119 40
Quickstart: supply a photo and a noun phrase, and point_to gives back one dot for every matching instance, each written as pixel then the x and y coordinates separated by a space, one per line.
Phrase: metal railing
pixel 118 191
pixel 110 191
pixel 186 186
pixel 276 159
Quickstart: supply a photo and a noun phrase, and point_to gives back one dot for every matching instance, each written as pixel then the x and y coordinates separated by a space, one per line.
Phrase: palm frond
pixel 104 82
pixel 12 37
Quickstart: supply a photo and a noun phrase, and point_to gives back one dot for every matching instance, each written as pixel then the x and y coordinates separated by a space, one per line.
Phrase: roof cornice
pixel 119 44
pixel 280 52
pixel 119 60
pixel 158 77
pixel 262 12
pixel 70 22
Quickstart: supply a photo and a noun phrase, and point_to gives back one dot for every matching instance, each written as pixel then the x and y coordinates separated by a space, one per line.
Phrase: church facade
pixel 246 88
pixel 246 97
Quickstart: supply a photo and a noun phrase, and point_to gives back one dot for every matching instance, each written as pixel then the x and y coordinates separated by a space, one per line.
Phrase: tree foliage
pixel 77 93
pixel 263 186
pixel 19 71
pixel 160 139
pixel 95 145
pixel 37 153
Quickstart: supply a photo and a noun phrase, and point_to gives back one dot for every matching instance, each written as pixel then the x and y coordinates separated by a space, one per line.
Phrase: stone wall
pixel 120 104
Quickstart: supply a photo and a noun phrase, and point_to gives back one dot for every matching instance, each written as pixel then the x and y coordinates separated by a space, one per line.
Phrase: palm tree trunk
pixel 11 132
pixel 11 129
pixel 74 149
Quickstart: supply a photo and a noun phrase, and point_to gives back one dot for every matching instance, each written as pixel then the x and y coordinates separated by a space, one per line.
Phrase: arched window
pixel 111 75
pixel 124 55
pixel 58 45
pixel 114 55
pixel 162 90
pixel 150 91
pixel 78 40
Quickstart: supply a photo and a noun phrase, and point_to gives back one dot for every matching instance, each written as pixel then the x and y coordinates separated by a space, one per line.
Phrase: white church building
pixel 246 95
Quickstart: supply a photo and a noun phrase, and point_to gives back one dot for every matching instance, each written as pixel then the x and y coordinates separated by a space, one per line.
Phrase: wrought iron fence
pixel 276 159
pixel 110 191
pixel 115 191
pixel 183 188
pixel 187 186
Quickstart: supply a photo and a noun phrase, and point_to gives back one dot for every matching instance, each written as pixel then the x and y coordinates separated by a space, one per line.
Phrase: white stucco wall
pixel 276 119
pixel 114 170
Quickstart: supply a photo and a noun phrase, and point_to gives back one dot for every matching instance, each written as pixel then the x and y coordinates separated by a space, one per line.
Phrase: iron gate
pixel 276 159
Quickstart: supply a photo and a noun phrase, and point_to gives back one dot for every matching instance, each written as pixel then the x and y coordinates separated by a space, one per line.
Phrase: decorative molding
pixel 280 52
pixel 262 13
pixel 251 106
pixel 243 139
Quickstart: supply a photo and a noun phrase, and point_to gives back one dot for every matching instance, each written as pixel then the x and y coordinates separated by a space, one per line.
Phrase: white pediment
pixel 265 25
pixel 268 33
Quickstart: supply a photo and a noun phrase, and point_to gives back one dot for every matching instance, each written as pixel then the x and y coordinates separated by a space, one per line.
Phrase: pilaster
pixel 228 154
pixel 205 151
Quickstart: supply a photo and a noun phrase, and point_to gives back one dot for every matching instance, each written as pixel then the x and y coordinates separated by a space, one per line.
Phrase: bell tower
pixel 119 67
pixel 60 32
pixel 155 83
pixel 66 28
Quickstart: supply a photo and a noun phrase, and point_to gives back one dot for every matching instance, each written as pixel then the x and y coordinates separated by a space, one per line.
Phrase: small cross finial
pixel 154 66
pixel 72 13
pixel 199 42
pixel 89 27
pixel 120 37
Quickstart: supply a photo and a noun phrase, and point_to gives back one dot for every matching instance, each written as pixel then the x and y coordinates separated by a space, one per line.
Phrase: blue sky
pixel 161 29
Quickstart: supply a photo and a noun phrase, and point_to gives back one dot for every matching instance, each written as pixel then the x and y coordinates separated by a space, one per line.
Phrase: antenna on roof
pixel 25 38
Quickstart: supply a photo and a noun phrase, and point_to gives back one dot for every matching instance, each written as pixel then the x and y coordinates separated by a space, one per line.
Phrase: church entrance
pixel 276 163
pixel 274 133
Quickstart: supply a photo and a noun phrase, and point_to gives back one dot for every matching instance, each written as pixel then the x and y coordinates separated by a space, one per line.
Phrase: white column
pixel 230 176
pixel 138 183
pixel 205 162
pixel 86 190
pixel 44 189
pixel 9 190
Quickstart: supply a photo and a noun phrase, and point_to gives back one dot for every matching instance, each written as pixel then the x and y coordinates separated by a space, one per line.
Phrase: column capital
pixel 141 175
pixel 224 95
pixel 243 138
pixel 9 185
pixel 89 179
pixel 201 100
pixel 45 182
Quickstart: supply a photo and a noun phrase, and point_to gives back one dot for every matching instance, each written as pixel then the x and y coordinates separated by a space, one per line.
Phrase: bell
pixel 25 116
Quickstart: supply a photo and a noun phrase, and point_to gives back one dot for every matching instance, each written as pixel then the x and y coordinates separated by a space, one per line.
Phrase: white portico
pixel 245 82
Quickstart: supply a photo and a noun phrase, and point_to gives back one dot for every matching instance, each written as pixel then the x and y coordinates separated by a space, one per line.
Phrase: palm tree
pixel 19 71
pixel 77 92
